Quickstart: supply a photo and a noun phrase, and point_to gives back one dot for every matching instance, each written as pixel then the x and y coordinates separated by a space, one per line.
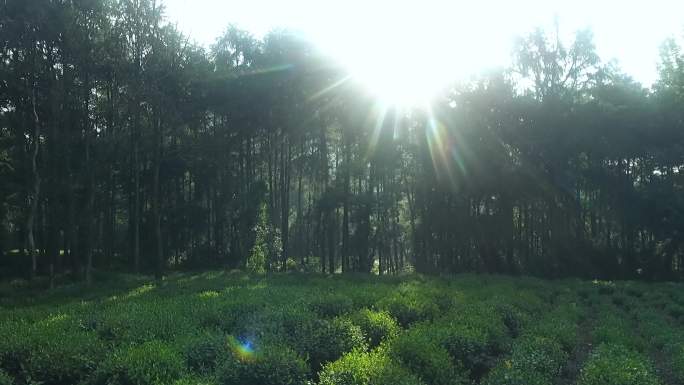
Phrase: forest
pixel 127 147
pixel 250 212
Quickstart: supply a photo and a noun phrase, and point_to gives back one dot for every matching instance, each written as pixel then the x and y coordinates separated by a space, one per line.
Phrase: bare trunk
pixel 34 189
pixel 285 198
pixel 90 193
pixel 136 206
pixel 156 202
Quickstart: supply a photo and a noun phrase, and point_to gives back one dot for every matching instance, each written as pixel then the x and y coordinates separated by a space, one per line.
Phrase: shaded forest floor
pixel 233 328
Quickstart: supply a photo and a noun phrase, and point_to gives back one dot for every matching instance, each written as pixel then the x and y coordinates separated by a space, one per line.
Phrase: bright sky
pixel 479 31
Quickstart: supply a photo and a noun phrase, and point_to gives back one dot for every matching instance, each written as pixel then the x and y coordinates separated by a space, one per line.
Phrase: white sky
pixel 630 31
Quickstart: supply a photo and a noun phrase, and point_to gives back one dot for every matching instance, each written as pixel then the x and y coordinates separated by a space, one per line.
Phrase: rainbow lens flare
pixel 243 350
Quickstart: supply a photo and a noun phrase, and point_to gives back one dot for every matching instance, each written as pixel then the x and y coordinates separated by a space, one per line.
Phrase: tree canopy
pixel 126 146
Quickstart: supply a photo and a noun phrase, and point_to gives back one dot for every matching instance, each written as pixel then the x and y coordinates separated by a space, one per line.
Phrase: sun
pixel 404 52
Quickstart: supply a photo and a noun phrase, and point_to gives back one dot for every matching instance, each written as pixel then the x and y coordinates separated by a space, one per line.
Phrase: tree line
pixel 126 146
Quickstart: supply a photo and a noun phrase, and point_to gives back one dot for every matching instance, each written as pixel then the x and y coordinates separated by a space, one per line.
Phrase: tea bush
pixel 150 363
pixel 612 364
pixel 506 374
pixel 377 326
pixel 617 330
pixel 367 368
pixel 329 306
pixel 539 354
pixel 676 351
pixel 425 358
pixel 5 378
pixel 409 305
pixel 269 365
pixel 216 328
pixel 323 341
pixel 201 353
pixel 50 351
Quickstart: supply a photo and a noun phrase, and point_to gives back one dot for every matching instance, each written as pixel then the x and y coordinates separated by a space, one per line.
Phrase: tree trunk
pixel 156 201
pixel 285 198
pixel 34 187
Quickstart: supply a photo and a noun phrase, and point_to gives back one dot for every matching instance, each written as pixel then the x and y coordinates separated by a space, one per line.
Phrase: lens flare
pixel 243 350
pixel 448 156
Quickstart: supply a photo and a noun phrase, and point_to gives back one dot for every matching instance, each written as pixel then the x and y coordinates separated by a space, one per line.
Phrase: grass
pixel 219 328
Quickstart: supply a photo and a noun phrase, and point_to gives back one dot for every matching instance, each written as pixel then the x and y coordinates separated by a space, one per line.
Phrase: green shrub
pixel 676 351
pixel 506 374
pixel 361 368
pixel 634 291
pixel 613 329
pixel 50 351
pixel 656 328
pixel 189 380
pixel 269 365
pixel 534 361
pixel 513 318
pixel 446 300
pixel 324 341
pixel 557 327
pixel 5 379
pixel 377 326
pixel 539 354
pixel 620 300
pixel 418 352
pixel 675 311
pixel 260 322
pixel 332 305
pixel 409 304
pixel 150 363
pixel 605 287
pixel 225 316
pixel 202 353
pixel 137 321
pixel 474 335
pixel 474 347
pixel 613 364
pixel 584 294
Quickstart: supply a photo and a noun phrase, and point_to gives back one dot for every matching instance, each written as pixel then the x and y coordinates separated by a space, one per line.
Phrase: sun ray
pixel 330 87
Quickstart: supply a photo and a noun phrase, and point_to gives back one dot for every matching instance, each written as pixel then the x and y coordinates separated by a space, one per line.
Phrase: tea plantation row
pixel 221 328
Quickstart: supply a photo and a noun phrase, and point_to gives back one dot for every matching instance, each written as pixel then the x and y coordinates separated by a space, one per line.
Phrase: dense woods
pixel 126 146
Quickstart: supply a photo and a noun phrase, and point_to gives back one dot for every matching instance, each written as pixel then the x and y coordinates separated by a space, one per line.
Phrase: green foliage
pixel 267 244
pixel 612 364
pixel 259 254
pixel 605 287
pixel 559 325
pixel 50 351
pixel 377 326
pixel 425 358
pixel 220 328
pixel 5 378
pixel 474 336
pixel 513 318
pixel 676 311
pixel 539 354
pixel 138 320
pixel 615 329
pixel 202 353
pixel 256 262
pixel 332 305
pixel 268 365
pixel 409 304
pixel 367 368
pixel 324 341
pixel 506 374
pixel 151 363
pixel 534 360
pixel 676 351
pixel 190 380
